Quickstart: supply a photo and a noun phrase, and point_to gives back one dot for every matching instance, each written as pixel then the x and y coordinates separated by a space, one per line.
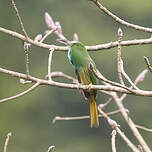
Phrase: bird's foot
pixel 89 86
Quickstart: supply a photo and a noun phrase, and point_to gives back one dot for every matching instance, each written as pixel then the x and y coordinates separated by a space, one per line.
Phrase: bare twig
pixel 26 50
pixel 106 103
pixel 148 64
pixel 46 35
pixel 6 141
pixel 124 137
pixel 127 77
pixel 51 148
pixel 144 128
pixel 19 19
pixel 83 117
pixel 117 19
pixel 120 34
pixel 113 138
pixel 50 62
pixel 21 94
pixel 61 74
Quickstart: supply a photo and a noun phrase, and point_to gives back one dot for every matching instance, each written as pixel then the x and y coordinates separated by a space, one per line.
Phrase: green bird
pixel 80 59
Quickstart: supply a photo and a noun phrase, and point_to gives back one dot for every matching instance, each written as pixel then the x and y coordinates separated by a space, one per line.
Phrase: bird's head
pixel 77 45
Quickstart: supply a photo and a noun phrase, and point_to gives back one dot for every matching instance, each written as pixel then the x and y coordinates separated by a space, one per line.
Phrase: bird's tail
pixel 94 113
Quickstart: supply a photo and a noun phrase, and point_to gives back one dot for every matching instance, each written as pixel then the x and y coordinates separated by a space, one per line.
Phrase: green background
pixel 29 118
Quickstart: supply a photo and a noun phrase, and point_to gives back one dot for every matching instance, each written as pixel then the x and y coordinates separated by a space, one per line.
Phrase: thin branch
pixel 113 138
pixel 89 48
pixel 19 19
pixel 21 94
pixel 106 103
pixel 49 63
pixel 117 19
pixel 120 34
pixel 124 137
pixel 102 78
pixel 6 141
pixel 144 128
pixel 51 148
pixel 26 50
pixel 148 64
pixel 127 77
pixel 46 35
pixel 83 117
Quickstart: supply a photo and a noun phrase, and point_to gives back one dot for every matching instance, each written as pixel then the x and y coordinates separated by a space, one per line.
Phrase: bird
pixel 80 59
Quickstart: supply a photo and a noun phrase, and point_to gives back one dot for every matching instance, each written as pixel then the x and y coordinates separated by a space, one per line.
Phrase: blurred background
pixel 29 118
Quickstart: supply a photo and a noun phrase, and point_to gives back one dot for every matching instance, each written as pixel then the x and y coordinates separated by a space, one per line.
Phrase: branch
pixel 19 19
pixel 144 128
pixel 21 94
pixel 148 64
pixel 83 117
pixel 49 63
pixel 6 141
pixel 127 77
pixel 26 50
pixel 117 19
pixel 113 140
pixel 75 86
pixel 114 125
pixel 130 123
pixel 89 48
pixel 120 34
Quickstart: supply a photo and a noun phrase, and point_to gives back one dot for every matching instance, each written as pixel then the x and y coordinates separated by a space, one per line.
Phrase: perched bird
pixel 80 59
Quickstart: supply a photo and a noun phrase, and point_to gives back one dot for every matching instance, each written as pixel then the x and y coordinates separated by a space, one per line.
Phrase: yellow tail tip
pixel 94 114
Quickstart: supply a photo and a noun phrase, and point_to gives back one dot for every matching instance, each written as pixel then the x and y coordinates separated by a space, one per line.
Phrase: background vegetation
pixel 29 118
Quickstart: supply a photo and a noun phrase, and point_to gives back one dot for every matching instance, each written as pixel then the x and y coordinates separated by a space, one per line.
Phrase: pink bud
pixel 75 81
pixel 114 132
pixel 75 37
pixel 112 123
pixel 38 37
pixel 58 27
pixel 141 76
pixel 26 45
pixel 49 21
pixel 120 33
pixel 56 74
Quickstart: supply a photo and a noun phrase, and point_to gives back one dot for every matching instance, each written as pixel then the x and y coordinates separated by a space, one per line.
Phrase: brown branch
pixel 117 19
pixel 19 19
pixel 21 94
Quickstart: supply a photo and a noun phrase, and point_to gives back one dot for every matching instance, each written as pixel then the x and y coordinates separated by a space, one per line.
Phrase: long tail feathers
pixel 94 113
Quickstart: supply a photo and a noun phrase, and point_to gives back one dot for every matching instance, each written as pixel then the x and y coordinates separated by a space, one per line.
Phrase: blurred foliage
pixel 29 118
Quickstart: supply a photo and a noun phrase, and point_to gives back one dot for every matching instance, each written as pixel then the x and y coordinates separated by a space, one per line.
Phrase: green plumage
pixel 80 59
